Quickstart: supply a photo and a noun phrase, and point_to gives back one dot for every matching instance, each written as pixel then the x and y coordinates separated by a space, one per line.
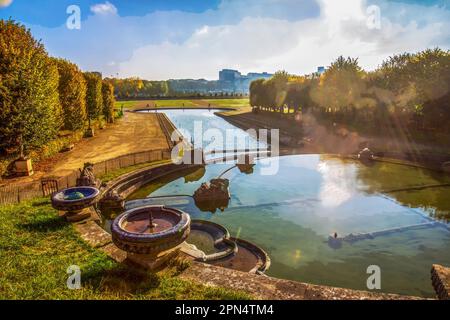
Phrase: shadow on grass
pixel 123 279
pixel 41 202
pixel 44 224
pixel 129 278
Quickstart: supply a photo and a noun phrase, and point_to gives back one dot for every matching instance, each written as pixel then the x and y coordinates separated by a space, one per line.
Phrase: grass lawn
pixel 37 247
pixel 160 103
pixel 229 103
pixel 117 173
pixel 196 103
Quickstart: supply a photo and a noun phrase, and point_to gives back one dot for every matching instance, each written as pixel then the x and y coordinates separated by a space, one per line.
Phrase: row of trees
pixel 83 96
pixel 132 88
pixel 411 89
pixel 136 88
pixel 41 95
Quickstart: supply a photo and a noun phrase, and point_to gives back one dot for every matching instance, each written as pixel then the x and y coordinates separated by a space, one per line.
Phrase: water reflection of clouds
pixel 307 161
pixel 211 132
pixel 208 114
pixel 338 183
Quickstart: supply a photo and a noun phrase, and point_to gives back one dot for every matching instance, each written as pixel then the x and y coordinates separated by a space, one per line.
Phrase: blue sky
pixel 162 39
pixel 42 12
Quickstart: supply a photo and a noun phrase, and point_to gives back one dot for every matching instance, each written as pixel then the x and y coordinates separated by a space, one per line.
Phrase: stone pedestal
pixel 77 216
pixel 90 133
pixel 23 167
pixel 153 261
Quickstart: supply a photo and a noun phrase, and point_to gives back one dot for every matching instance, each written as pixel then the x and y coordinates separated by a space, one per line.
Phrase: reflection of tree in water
pixel 383 177
pixel 435 201
pixel 193 173
pixel 196 175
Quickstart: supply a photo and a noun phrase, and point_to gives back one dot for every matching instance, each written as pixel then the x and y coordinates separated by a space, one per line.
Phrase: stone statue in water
pixel 212 196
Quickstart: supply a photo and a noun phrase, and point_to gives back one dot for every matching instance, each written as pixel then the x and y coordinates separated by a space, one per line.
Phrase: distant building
pixel 240 83
pixel 230 81
pixel 229 75
pixel 263 75
pixel 320 70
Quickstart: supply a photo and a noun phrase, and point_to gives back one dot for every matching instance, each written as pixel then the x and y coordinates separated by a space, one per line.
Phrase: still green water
pixel 291 213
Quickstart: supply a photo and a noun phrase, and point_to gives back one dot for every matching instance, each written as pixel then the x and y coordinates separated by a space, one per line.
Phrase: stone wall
pixel 440 277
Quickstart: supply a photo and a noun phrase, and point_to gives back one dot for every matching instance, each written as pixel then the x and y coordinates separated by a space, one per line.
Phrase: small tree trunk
pixel 21 148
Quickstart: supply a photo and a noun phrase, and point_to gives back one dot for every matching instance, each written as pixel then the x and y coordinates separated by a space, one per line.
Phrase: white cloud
pixel 251 35
pixel 5 3
pixel 106 8
pixel 270 44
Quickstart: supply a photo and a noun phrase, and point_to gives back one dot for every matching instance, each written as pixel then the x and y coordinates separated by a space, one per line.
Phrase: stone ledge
pixel 114 253
pixel 440 277
pixel 268 288
pixel 93 234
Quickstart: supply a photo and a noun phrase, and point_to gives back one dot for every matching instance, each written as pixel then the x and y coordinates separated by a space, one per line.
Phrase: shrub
pixel 108 101
pixel 29 101
pixel 72 94
pixel 94 100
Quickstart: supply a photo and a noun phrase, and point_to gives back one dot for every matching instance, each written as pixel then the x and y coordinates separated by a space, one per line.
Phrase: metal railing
pixel 18 192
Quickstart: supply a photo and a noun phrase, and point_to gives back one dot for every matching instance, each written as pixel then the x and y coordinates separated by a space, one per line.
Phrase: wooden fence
pixel 16 193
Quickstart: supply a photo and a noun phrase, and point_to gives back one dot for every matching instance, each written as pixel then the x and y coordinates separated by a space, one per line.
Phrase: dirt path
pixel 133 133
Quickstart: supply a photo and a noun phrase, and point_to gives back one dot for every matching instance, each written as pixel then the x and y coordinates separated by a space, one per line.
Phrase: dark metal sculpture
pixel 365 155
pixel 87 177
pixel 112 204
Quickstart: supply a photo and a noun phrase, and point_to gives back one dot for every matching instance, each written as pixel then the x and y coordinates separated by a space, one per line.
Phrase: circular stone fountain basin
pixel 203 241
pixel 150 229
pixel 247 258
pixel 211 239
pixel 218 248
pixel 75 199
pixel 139 223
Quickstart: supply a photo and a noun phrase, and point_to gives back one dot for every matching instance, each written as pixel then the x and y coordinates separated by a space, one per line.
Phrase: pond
pixel 292 213
pixel 203 127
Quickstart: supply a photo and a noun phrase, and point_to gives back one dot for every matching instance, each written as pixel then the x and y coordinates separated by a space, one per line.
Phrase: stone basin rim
pixel 119 231
pixel 75 205
pixel 95 193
